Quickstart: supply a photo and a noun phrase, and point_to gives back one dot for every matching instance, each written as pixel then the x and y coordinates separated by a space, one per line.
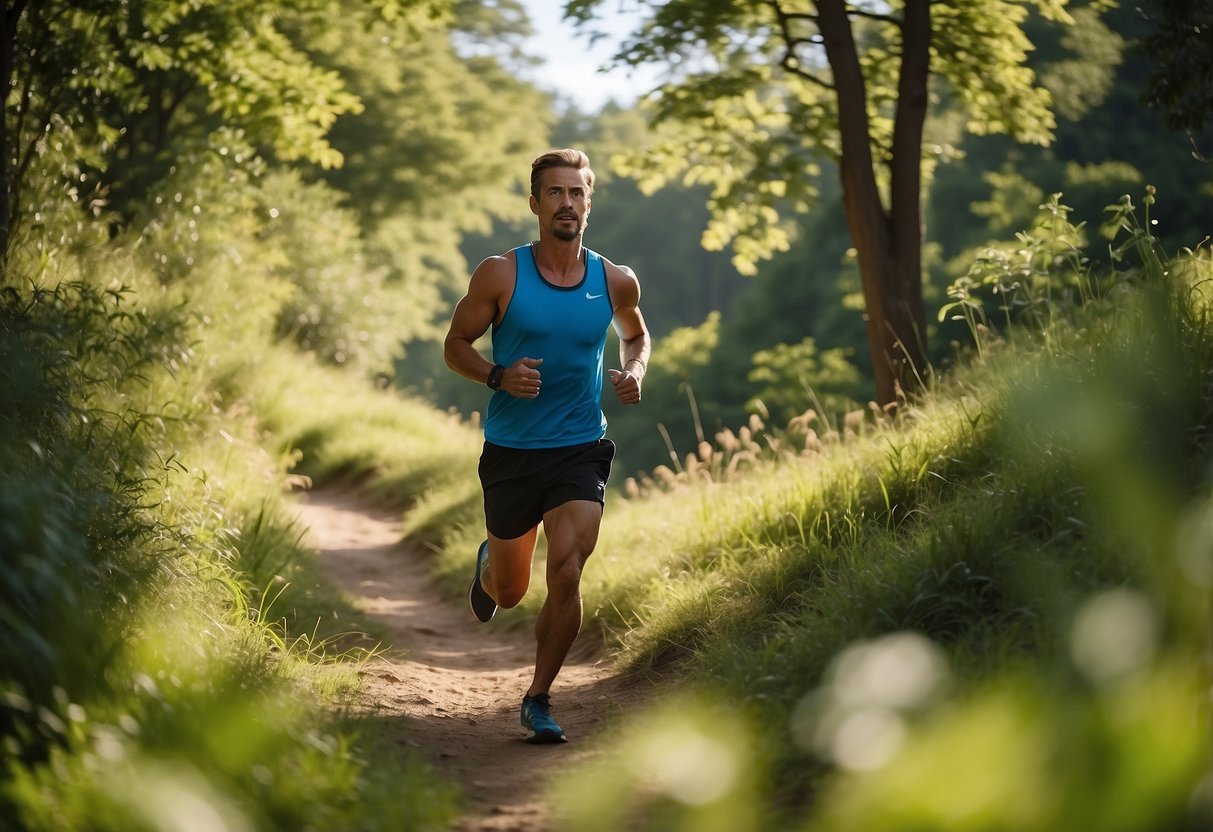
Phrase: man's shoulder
pixel 497 266
pixel 617 271
pixel 509 256
pixel 622 283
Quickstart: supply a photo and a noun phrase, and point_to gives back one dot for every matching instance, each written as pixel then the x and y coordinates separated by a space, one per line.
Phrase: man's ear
pixel 534 205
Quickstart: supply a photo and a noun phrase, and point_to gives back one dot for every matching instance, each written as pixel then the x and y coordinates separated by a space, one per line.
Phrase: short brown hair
pixel 564 158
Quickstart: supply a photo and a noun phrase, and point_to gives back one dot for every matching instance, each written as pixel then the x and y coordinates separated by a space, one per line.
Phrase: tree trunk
pixel 905 201
pixel 888 244
pixel 4 193
pixel 12 16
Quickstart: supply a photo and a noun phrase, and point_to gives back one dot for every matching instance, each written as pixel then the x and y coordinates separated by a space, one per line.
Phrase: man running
pixel 545 459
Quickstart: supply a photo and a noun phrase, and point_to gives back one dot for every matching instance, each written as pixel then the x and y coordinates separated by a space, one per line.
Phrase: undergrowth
pixel 169 655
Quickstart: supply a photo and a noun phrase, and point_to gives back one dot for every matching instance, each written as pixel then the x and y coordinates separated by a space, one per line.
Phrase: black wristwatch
pixel 495 375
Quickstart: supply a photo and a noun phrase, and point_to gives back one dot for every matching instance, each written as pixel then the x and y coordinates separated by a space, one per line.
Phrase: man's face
pixel 563 204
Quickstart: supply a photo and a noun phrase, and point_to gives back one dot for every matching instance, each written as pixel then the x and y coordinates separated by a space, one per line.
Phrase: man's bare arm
pixel 491 286
pixel 634 341
pixel 474 314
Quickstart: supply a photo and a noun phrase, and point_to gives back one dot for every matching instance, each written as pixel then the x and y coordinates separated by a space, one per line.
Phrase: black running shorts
pixel 521 485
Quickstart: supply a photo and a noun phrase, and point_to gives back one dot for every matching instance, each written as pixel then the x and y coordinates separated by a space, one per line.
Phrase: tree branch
pixel 851 11
pixel 12 17
pixel 25 154
pixel 789 62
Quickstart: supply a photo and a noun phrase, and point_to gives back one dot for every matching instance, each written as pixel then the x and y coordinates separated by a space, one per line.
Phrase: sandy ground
pixel 450 686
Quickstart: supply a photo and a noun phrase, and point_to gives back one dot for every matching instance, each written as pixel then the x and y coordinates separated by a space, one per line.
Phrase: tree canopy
pixel 768 91
pixel 1181 83
pixel 440 148
pixel 119 89
pixel 397 127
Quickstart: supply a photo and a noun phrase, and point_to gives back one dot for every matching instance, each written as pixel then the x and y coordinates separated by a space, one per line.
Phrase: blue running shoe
pixel 482 604
pixel 536 717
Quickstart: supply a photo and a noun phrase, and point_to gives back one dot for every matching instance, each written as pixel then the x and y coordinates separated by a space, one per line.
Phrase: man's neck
pixel 560 259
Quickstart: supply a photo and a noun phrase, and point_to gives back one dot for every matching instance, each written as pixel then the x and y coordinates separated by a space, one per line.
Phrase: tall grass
pixel 989 613
pixel 341 428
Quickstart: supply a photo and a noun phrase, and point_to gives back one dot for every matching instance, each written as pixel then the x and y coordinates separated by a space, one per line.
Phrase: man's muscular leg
pixel 508 574
pixel 572 533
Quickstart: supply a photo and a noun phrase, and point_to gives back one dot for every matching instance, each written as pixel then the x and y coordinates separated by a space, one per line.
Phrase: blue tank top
pixel 566 326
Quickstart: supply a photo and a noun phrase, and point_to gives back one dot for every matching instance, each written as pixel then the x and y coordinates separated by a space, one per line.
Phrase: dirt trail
pixel 450 687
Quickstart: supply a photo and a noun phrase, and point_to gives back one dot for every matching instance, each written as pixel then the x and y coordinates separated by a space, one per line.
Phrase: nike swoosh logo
pixel 588 296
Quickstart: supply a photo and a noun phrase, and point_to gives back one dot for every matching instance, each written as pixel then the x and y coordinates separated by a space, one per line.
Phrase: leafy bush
pixel 76 532
pixel 342 307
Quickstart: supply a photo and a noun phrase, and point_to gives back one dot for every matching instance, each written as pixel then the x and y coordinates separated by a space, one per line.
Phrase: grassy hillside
pixel 988 613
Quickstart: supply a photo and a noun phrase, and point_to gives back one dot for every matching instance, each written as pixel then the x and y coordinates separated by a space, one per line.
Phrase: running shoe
pixel 482 604
pixel 536 717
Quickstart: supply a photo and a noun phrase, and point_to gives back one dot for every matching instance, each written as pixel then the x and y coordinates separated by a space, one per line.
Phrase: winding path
pixel 449 687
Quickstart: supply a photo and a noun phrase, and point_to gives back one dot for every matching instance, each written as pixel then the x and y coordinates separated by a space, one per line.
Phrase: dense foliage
pixel 772 94
pixel 161 620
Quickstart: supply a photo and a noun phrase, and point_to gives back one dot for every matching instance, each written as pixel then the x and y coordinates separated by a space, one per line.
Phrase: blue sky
pixel 571 70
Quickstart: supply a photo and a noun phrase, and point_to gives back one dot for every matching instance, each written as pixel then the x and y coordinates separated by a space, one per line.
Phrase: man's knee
pixel 509 593
pixel 509 573
pixel 566 577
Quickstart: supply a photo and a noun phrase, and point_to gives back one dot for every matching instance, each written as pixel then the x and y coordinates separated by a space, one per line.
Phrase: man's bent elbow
pixel 448 355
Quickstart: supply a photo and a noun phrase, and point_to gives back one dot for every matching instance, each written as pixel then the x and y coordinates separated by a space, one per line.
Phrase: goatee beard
pixel 561 233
